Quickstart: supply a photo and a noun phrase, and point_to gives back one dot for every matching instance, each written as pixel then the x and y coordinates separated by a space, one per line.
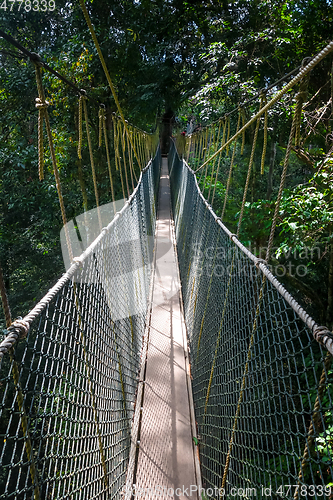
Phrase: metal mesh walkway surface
pixel 166 461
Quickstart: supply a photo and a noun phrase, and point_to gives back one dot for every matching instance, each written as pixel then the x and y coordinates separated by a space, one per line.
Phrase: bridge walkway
pixel 167 453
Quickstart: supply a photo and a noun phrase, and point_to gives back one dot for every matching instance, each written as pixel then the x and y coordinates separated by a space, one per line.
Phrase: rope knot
pixel 41 104
pixel 305 61
pixel 232 236
pixel 77 260
pixel 22 326
pixel 260 261
pixel 101 113
pixel 324 336
pixel 18 330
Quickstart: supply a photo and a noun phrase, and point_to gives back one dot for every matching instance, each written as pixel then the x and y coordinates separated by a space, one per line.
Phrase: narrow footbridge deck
pixel 166 460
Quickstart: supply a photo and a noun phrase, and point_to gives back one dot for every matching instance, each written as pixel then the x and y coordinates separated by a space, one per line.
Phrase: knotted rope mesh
pixel 262 385
pixel 78 368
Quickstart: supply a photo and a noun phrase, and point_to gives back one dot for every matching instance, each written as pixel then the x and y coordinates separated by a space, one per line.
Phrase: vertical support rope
pixel 224 131
pixel 130 160
pixel 123 145
pixel 201 145
pixel 82 186
pixel 300 97
pixel 79 146
pixel 92 32
pixel 216 177
pixel 241 393
pixel 84 103
pixel 189 144
pixel 205 144
pixel 103 119
pixel 116 152
pixel 197 146
pixel 115 141
pixel 42 102
pixel 20 397
pixel 228 133
pixel 119 157
pixel 332 91
pixel 41 115
pixel 255 137
pixel 4 299
pixel 231 163
pixel 314 421
pixel 265 136
pixel 213 168
pixel 243 134
pixel 219 160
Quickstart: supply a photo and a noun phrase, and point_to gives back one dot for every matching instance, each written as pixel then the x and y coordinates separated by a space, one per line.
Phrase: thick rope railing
pixel 41 105
pixel 231 163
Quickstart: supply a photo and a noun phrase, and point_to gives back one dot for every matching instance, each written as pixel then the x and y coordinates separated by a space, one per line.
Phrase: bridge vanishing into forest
pixel 168 361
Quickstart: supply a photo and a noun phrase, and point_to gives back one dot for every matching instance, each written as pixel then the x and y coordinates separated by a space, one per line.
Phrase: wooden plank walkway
pixel 166 465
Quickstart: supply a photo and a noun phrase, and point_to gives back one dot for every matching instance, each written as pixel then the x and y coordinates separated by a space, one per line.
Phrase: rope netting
pixel 262 384
pixel 68 386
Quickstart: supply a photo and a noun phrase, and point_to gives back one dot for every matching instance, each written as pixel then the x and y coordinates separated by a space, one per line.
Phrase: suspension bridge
pixel 168 361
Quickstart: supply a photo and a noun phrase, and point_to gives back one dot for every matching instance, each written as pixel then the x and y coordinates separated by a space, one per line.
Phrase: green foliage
pixel 307 212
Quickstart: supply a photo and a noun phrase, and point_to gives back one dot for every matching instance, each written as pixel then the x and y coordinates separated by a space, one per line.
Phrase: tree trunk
pixel 271 171
pixel 329 315
pixel 167 121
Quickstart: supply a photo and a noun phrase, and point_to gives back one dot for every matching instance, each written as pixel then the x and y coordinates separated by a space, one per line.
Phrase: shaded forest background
pixel 194 62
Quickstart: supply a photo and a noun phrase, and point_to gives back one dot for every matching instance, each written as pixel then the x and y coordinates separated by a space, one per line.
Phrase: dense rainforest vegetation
pixel 190 62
